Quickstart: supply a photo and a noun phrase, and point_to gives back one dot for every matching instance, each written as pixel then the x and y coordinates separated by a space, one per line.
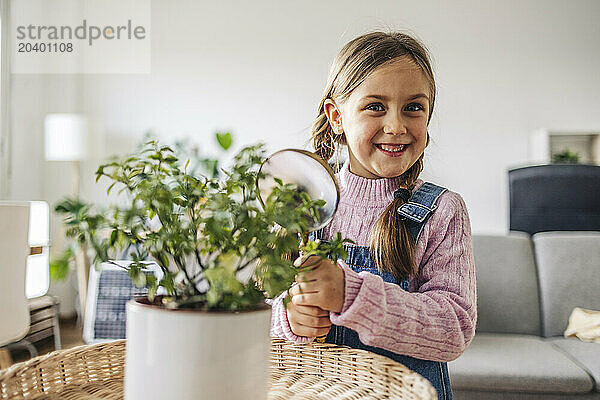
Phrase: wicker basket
pixel 298 371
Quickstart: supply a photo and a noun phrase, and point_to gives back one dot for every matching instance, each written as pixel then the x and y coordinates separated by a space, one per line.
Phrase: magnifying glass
pixel 309 173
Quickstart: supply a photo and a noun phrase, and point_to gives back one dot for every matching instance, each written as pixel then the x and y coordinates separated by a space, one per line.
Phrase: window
pixel 4 100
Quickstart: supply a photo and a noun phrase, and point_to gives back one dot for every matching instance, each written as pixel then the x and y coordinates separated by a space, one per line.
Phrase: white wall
pixel 504 69
pixel 258 68
pixel 33 178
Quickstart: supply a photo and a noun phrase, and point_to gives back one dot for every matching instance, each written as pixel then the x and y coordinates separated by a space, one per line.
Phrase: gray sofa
pixel 527 288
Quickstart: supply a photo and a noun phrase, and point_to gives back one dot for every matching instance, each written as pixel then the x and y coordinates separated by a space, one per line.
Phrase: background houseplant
pixel 565 157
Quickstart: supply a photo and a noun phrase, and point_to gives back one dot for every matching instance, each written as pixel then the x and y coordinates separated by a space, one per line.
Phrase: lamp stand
pixel 82 260
pixel 83 270
pixel 76 167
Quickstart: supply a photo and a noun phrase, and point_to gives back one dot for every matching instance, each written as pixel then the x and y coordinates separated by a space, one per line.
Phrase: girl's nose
pixel 395 124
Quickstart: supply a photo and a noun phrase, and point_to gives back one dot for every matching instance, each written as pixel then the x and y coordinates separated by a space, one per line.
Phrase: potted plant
pixel 565 157
pixel 220 253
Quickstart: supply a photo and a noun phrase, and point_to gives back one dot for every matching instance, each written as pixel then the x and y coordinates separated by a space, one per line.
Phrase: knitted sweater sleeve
pixel 280 326
pixel 436 320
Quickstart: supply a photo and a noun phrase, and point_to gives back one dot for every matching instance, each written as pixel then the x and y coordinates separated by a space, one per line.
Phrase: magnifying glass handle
pixel 320 339
pixel 304 240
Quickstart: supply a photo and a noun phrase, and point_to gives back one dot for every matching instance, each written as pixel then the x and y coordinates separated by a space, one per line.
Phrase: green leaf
pixel 113 237
pixel 168 283
pixel 137 277
pixel 225 140
pixel 152 285
pixel 59 267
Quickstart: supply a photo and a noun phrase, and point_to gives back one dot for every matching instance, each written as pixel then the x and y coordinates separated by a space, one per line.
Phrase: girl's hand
pixel 321 284
pixel 307 320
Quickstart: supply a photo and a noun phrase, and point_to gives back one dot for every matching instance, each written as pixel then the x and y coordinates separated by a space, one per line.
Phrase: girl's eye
pixel 375 107
pixel 413 107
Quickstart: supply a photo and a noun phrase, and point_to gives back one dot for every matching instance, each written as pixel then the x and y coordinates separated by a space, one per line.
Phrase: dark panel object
pixel 109 290
pixel 555 197
pixel 115 289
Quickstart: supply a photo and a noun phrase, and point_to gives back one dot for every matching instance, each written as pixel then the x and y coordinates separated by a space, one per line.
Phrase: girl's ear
pixel 334 115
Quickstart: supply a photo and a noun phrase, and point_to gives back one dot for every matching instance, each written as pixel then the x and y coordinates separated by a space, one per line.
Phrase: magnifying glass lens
pixel 309 174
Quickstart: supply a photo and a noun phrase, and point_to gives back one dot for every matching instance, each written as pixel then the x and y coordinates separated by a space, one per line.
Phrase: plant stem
pixel 187 275
pixel 195 233
pixel 164 268
pixel 199 260
pixel 241 267
pixel 118 265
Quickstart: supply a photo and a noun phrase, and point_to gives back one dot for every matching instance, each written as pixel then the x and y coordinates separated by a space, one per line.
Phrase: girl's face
pixel 385 120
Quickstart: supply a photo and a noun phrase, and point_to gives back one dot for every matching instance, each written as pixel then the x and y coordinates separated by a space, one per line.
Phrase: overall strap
pixel 318 234
pixel 419 207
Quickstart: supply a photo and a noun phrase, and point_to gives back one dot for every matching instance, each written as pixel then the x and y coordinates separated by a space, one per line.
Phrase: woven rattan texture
pixel 298 371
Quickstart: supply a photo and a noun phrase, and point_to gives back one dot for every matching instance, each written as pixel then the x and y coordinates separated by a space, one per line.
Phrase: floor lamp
pixel 66 140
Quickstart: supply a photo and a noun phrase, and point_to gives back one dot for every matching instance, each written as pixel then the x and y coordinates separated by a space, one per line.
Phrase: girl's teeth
pixel 393 149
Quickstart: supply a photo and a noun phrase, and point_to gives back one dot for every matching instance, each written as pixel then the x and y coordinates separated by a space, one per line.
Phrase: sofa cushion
pixel 586 355
pixel 517 363
pixel 507 288
pixel 569 276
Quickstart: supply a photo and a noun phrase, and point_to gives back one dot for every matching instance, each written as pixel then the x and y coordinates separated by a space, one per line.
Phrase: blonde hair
pixel 391 245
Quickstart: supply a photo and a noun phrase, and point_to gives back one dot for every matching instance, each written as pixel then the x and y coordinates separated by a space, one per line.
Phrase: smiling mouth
pixel 393 150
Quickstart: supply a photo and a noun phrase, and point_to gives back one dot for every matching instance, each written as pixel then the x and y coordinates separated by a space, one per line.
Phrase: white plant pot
pixel 196 355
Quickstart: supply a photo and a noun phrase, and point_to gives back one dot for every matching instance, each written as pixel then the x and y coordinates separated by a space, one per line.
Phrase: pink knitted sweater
pixel 434 320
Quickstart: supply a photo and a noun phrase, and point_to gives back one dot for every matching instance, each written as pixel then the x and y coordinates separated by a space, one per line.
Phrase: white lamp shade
pixel 65 137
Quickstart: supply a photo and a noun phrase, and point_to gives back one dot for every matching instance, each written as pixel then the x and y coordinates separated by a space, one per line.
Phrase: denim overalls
pixel 416 211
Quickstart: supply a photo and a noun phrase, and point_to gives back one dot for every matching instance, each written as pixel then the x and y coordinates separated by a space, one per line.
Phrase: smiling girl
pixel 407 288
